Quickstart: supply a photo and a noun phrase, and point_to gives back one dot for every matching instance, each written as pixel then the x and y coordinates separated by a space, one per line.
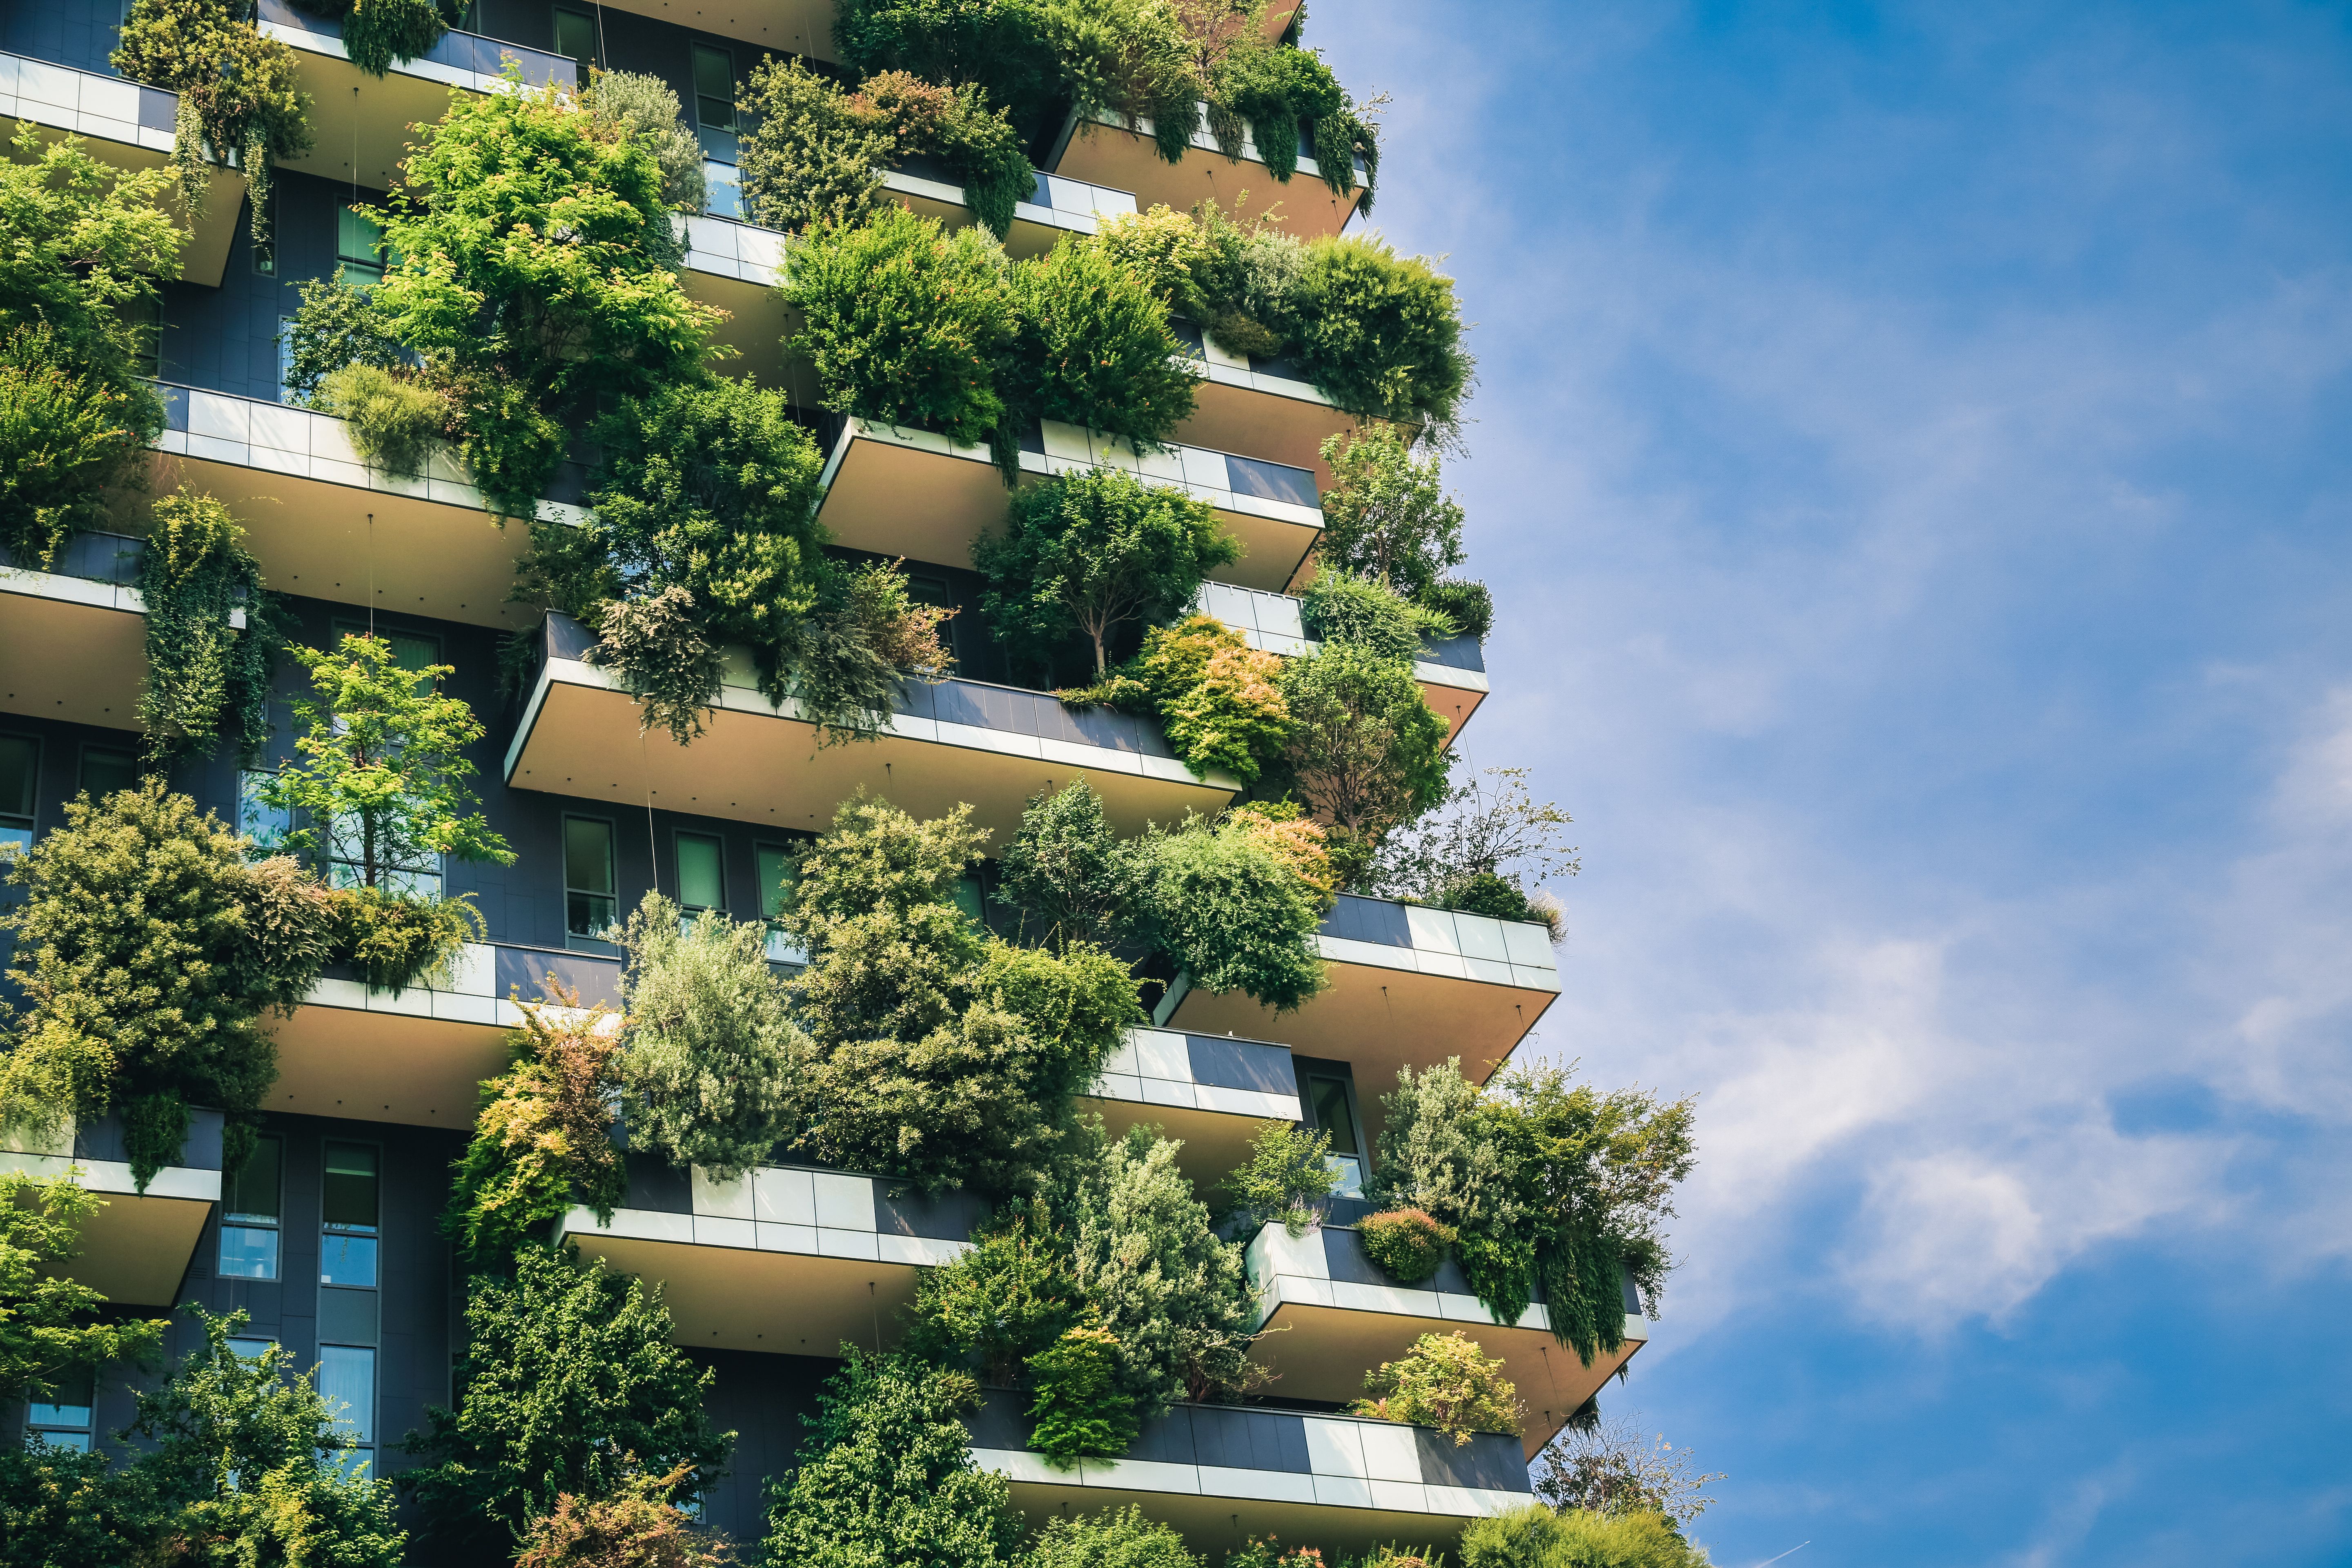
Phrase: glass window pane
pixel 251 1349
pixel 714 85
pixel 266 824
pixel 575 35
pixel 347 1378
pixel 1331 1113
pixel 699 883
pixel 253 1192
pixel 20 767
pixel 345 1259
pixel 103 773
pixel 248 1252
pixel 587 855
pixel 69 1403
pixel 76 1441
pixel 777 875
pixel 968 898
pixel 351 1185
pixel 359 240
pixel 722 189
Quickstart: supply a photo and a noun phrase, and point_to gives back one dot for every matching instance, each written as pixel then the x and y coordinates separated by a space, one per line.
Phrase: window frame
pixel 584 942
pixel 93 749
pixel 51 1427
pixel 28 821
pixel 718 842
pixel 350 1230
pixel 272 1224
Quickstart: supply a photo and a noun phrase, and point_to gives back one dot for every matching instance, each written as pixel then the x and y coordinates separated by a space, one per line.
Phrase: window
pixel 146 317
pixel 250 1212
pixel 418 878
pixel 1329 1100
pixel 285 356
pixel 778 871
pixel 103 773
pixel 252 1348
pixel 347 1383
pixel 359 249
pixel 20 777
pixel 575 38
pixel 410 650
pixel 65 1421
pixel 701 883
pixel 716 127
pixel 347 1242
pixel 970 898
pixel 589 906
pixel 266 824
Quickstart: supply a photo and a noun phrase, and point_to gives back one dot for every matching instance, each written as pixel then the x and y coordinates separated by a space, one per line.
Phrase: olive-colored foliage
pixel 50 1323
pixel 240 93
pixel 1091 347
pixel 1447 1382
pixel 1340 608
pixel 1365 751
pixel 886 1477
pixel 959 127
pixel 1233 912
pixel 1012 1294
pixel 570 1384
pixel 1288 1179
pixel 1270 1553
pixel 712 1055
pixel 86 243
pixel 1078 1410
pixel 638 1527
pixel 903 322
pixel 657 649
pixel 1479 851
pixel 542 1138
pixel 394 940
pixel 999 45
pixel 1536 1537
pixel 1407 1244
pixel 533 276
pixel 1114 1538
pixel 380 787
pixel 1089 553
pixel 941 1056
pixel 1386 516
pixel 142 977
pixel 395 419
pixel 63 1509
pixel 205 680
pixel 646 108
pixel 1283 828
pixel 1218 698
pixel 1468 603
pixel 1613 1467
pixel 848 663
pixel 810 159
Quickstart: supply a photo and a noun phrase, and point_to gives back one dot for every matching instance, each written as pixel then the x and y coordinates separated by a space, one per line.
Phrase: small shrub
pixel 1444 1381
pixel 809 161
pixel 1484 893
pixel 1340 608
pixel 638 1526
pixel 1218 698
pixel 395 941
pixel 1536 1537
pixel 1080 1413
pixel 395 421
pixel 1288 1177
pixel 1467 604
pixel 848 660
pixel 1234 913
pixel 1011 1296
pixel 1270 1553
pixel 1114 1538
pixel 1162 247
pixel 542 1139
pixel 957 126
pixel 1091 347
pixel 645 107
pixel 66 437
pixel 1406 1244
pixel 656 646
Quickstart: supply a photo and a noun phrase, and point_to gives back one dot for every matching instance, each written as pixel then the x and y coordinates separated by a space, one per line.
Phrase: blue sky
pixel 1910 457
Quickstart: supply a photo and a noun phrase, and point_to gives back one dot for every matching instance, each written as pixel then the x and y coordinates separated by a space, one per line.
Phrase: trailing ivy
pixel 205 680
pixel 377 33
pixel 240 93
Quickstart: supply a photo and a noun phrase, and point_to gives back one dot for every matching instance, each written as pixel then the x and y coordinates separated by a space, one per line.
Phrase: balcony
pixel 900 492
pixel 1266 406
pixel 960 742
pixel 420 1057
pixel 1410 987
pixel 1218 1473
pixel 355 115
pixel 1453 673
pixel 789 1258
pixel 135 1249
pixel 328 526
pixel 130 127
pixel 1105 152
pixel 1346 1317
pixel 73 639
pixel 1211 1090
pixel 1055 207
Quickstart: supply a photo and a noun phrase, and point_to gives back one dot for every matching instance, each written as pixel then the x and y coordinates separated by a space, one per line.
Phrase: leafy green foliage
pixel 1273 90
pixel 87 242
pixel 1011 1295
pixel 1091 346
pixel 1381 333
pixel 1365 752
pixel 1089 552
pixel 1386 517
pixel 239 92
pixel 810 158
pixel 392 941
pixel 542 1139
pixel 1340 608
pixel 1444 1381
pixel 1467 603
pixel 380 786
pixel 1480 849
pixel 1407 1244
pixel 60 1508
pixel 378 32
pixel 644 107
pixel 1613 1468
pixel 50 1326
pixel 638 1527
pixel 903 322
pixel 1234 912
pixel 1114 1538
pixel 395 421
pixel 142 975
pixel 657 649
pixel 999 45
pixel 335 325
pixel 1270 1553
pixel 957 126
pixel 1217 698
pixel 711 1053
pixel 1068 871
pixel 886 1478
pixel 1287 1178
pixel 846 665
pixel 1536 1537
pixel 202 677
pixel 942 1056
pixel 1079 1410
pixel 569 1385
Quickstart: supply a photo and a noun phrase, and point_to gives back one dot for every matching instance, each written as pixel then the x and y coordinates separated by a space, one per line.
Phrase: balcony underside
pixel 314 536
pixel 794 27
pixel 1216 1142
pixel 755 328
pixel 732 1297
pixel 70 649
pixel 353 113
pixel 1265 424
pixel 581 738
pixel 204 258
pixel 1128 161
pixel 1323 1352
pixel 390 1062
pixel 136 1248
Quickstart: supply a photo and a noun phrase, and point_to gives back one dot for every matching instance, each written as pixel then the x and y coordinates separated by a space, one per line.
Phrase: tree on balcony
pixel 240 93
pixel 50 1326
pixel 204 679
pixel 542 1138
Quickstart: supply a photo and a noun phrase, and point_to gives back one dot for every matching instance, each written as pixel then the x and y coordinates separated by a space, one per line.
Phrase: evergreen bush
pixel 1447 1382
pixel 240 93
pixel 656 646
pixel 542 1139
pixel 1287 1178
pixel 1091 347
pixel 1380 334
pixel 1340 608
pixel 1406 1244
pixel 1068 871
pixel 1114 1538
pixel 1010 1296
pixel 810 158
pixel 1079 1411
pixel 645 107
pixel 1217 698
pixel 1234 913
pixel 1466 604
pixel 205 680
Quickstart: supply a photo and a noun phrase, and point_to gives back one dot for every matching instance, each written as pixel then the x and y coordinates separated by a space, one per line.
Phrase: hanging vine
pixel 206 681
pixel 240 93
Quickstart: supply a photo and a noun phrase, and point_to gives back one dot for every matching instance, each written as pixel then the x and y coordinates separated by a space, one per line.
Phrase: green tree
pixel 1011 1294
pixel 1068 871
pixel 1365 752
pixel 247 1456
pixel 1340 608
pixel 203 676
pixel 712 1055
pixel 1079 1412
pixel 1536 1537
pixel 1091 346
pixel 86 243
pixel 1091 552
pixel 146 952
pixel 1447 1382
pixel 638 1527
pixel 542 1139
pixel 50 1323
pixel 1004 45
pixel 810 158
pixel 1380 334
pixel 1288 1177
pixel 645 107
pixel 570 1384
pixel 381 789
pixel 240 93
pixel 904 322
pixel 1235 911
pixel 1114 1538
pixel 886 1479
pixel 63 1508
pixel 1386 516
